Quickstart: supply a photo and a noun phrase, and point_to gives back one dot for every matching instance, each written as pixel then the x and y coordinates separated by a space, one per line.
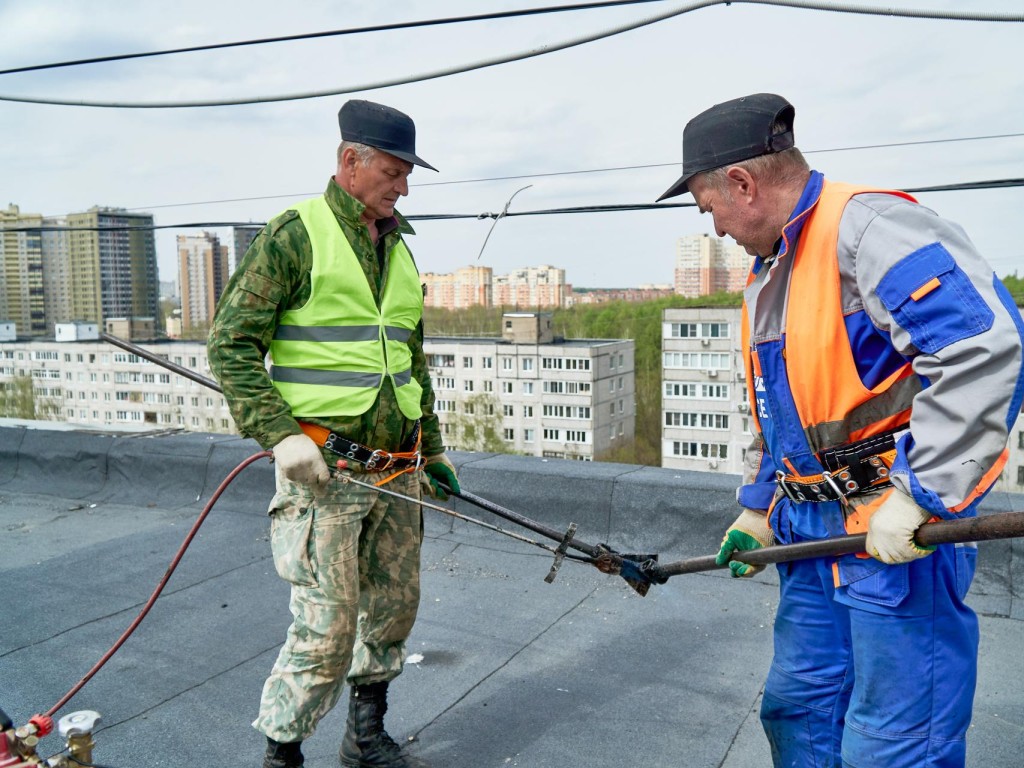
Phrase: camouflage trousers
pixel 352 557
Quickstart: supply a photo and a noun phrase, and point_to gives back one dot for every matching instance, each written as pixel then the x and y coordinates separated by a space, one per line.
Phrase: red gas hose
pixel 163 582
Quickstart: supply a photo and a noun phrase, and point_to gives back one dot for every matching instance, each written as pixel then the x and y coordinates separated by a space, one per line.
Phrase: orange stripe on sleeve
pixel 925 289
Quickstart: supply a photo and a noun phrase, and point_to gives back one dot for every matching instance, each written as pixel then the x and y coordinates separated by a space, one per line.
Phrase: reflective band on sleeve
pixel 395 333
pixel 327 333
pixel 326 378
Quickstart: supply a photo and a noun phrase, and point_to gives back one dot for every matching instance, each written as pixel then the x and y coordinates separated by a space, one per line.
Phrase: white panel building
pixel 704 406
pixel 539 395
pixel 705 415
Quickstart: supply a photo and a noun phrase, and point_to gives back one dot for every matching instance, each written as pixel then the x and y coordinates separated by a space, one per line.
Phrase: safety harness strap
pixel 849 470
pixel 368 459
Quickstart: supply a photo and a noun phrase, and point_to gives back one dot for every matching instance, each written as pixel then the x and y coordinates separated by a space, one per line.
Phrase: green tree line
pixel 640 321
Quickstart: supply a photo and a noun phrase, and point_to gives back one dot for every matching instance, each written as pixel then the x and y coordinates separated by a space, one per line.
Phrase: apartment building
pixel 529 392
pixel 21 271
pixel 705 409
pixel 466 287
pixel 705 414
pixel 542 286
pixel 113 265
pixel 243 237
pixel 90 383
pixel 706 265
pixel 203 272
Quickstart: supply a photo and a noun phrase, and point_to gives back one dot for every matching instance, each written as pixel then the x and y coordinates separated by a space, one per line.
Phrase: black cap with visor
pixel 737 130
pixel 380 127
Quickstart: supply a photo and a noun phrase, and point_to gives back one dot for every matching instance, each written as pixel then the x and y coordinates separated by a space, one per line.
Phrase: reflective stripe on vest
pixel 330 355
pixel 811 375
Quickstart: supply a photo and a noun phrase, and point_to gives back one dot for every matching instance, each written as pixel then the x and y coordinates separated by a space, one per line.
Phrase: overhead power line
pixel 458 69
pixel 546 174
pixel 330 33
pixel 615 208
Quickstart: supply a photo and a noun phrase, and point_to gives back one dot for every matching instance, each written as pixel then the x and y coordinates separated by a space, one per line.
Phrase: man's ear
pixel 741 183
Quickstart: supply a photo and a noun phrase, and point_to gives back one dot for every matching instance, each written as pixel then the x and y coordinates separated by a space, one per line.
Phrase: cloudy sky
pixel 857 81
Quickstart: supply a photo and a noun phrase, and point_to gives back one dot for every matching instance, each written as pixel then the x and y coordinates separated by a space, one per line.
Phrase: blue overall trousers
pixel 879 673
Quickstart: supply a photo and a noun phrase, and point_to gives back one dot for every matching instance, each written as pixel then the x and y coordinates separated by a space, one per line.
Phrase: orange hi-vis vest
pixel 807 371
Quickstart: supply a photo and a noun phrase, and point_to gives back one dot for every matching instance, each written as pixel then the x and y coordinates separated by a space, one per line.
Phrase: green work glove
pixel 437 469
pixel 750 531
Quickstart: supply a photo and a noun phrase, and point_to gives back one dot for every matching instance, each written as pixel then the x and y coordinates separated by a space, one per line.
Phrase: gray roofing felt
pixel 505 669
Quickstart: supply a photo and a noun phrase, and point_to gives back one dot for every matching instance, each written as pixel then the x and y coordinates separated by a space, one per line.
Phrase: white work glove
pixel 891 530
pixel 301 462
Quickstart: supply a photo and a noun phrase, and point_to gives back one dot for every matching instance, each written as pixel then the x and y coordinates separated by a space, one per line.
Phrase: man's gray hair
pixel 364 152
pixel 781 168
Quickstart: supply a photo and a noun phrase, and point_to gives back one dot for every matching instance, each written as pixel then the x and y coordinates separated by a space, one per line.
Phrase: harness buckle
pixel 780 478
pixel 377 455
pixel 835 487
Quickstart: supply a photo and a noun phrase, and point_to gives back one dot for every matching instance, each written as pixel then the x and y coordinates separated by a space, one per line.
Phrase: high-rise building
pixel 202 275
pixel 57 272
pixel 21 271
pixel 536 287
pixel 466 287
pixel 706 265
pixel 243 237
pixel 113 265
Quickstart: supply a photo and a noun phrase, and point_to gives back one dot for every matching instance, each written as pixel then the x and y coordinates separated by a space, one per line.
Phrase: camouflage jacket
pixel 273 277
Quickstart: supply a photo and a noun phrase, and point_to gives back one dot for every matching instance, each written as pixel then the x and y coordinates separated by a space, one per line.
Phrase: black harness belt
pixel 848 470
pixel 369 459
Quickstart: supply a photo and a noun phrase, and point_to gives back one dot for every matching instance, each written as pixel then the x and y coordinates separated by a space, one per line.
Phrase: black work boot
pixel 288 755
pixel 366 743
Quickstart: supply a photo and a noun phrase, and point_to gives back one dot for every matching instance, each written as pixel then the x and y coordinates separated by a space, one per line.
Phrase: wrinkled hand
pixel 750 531
pixel 891 530
pixel 301 462
pixel 439 469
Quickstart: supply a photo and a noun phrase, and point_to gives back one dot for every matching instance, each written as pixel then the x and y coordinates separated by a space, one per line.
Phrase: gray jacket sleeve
pixel 923 282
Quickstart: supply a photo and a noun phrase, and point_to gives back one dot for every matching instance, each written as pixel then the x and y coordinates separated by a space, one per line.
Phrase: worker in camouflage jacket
pixel 331 292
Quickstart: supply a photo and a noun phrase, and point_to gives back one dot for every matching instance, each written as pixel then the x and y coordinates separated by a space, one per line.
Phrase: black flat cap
pixel 381 127
pixel 731 132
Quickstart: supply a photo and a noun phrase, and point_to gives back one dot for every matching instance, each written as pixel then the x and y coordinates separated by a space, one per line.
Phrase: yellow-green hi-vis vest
pixel 330 356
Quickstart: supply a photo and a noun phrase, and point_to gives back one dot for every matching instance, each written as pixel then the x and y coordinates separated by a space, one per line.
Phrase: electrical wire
pixel 966 186
pixel 330 33
pixel 505 59
pixel 545 174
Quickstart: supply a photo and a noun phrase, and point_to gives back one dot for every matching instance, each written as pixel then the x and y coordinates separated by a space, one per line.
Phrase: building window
pixel 552 434
pixel 528 436
pixel 715 391
pixel 1020 475
pixel 487 363
pixel 509 434
pixel 528 411
pixel 467 385
pixel 488 386
pixel 527 387
pixel 508 410
pixel 506 363
pixel 441 361
pixel 467 362
pixel 506 387
pixel 527 363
